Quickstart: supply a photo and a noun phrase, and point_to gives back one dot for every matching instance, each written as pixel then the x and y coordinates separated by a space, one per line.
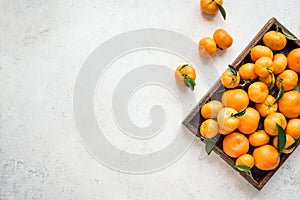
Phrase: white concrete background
pixel 44 43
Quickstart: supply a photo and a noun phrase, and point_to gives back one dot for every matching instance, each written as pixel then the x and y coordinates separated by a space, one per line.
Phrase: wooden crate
pixel 193 120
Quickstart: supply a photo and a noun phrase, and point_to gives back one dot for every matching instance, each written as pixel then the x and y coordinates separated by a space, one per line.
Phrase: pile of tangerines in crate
pixel 263 91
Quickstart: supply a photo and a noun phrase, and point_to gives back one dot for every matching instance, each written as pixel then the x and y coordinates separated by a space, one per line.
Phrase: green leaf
pixel 189 82
pixel 297 88
pixel 292 145
pixel 222 10
pixel 183 66
pixel 232 70
pixel 288 36
pixel 239 114
pixel 281 140
pixel 245 169
pixel 279 95
pixel 209 145
pixel 272 84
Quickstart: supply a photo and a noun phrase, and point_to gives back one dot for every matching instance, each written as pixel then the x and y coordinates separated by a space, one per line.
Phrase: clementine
pixel 274 40
pixel 260 51
pixel 289 140
pixel 289 104
pixel 249 121
pixel 266 157
pixel 279 63
pixel 222 38
pixel 235 144
pixel 236 98
pixel 259 138
pixel 207 47
pixel 258 92
pixel 293 128
pixel 270 123
pixel 293 60
pixel 267 107
pixel 288 79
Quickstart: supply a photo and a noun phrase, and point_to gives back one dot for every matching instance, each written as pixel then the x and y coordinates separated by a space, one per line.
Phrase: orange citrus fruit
pixel 227 121
pixel 267 107
pixel 293 60
pixel 235 144
pixel 263 66
pixel 222 38
pixel 260 51
pixel 258 92
pixel 289 104
pixel 207 47
pixel 211 109
pixel 289 140
pixel 249 121
pixel 270 123
pixel 259 138
pixel 209 128
pixel 279 63
pixel 230 79
pixel 266 157
pixel 224 132
pixel 185 72
pixel 274 40
pixel 288 79
pixel 293 128
pixel 246 72
pixel 236 98
pixel 245 159
pixel 210 6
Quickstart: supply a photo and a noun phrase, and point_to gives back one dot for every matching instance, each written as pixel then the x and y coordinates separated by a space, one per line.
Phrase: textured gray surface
pixel 44 43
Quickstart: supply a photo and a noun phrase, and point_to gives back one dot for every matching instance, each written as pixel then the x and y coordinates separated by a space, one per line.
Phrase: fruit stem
pixel 219 48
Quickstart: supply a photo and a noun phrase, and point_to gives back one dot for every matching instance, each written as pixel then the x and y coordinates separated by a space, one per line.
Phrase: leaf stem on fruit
pixel 239 114
pixel 245 169
pixel 222 10
pixel 183 66
pixel 279 95
pixel 232 70
pixel 281 139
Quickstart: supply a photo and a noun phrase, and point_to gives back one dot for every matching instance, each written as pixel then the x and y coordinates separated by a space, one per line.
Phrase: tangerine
pixel 249 121
pixel 279 63
pixel 270 123
pixel 267 107
pixel 289 104
pixel 274 40
pixel 245 159
pixel 266 157
pixel 293 128
pixel 260 51
pixel 236 98
pixel 259 138
pixel 209 128
pixel 293 60
pixel 211 109
pixel 246 72
pixel 230 78
pixel 235 144
pixel 258 92
pixel 207 47
pixel 222 38
pixel 263 66
pixel 289 140
pixel 288 79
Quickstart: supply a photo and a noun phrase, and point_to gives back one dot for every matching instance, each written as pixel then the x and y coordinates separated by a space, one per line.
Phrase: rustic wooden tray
pixel 194 119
